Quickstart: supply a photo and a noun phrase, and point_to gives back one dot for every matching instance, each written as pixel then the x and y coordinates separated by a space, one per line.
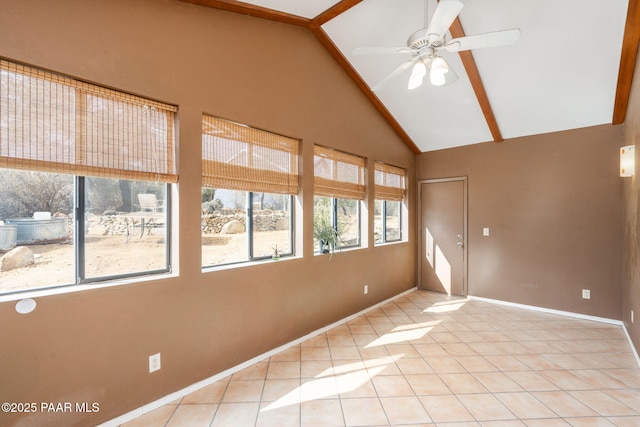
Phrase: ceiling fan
pixel 424 45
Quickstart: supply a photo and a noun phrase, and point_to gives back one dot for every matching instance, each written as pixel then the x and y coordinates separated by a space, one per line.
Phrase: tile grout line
pixel 487 391
pixel 607 367
pixel 172 414
pixel 135 413
pixel 566 314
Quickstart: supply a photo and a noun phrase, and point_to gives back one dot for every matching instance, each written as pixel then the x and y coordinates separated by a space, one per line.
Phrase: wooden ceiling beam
pixel 253 10
pixel 314 26
pixel 332 12
pixel 628 58
pixel 328 44
pixel 476 82
pixel 333 50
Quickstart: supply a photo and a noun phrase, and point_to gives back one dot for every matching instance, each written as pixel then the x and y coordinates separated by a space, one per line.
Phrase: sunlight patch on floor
pixel 353 376
pixel 446 306
pixel 404 333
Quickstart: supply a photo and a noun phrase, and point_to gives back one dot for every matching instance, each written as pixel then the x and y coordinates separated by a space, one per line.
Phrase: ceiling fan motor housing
pixel 421 39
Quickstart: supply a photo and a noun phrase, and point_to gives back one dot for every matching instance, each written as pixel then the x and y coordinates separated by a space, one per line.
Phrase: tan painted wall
pixel 553 204
pixel 631 193
pixel 93 346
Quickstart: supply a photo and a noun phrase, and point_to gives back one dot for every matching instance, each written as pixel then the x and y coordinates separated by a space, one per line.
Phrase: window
pixel 339 189
pixel 342 215
pixel 388 221
pixel 389 196
pixel 249 179
pixel 125 227
pixel 79 167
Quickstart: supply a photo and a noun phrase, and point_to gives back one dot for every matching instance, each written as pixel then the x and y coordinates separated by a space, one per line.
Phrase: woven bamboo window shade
pixel 238 157
pixel 52 123
pixel 338 174
pixel 389 182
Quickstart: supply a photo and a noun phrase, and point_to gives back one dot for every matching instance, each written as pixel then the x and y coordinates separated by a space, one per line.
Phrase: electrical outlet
pixel 586 294
pixel 366 289
pixel 154 362
pixel 485 231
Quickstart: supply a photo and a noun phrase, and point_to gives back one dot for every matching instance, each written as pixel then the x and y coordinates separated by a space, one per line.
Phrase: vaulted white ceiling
pixel 561 74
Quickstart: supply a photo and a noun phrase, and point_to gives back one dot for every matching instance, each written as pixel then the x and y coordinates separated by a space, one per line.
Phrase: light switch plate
pixel 485 231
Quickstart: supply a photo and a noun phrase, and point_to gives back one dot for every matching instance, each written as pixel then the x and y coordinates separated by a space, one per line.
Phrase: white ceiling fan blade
pixel 479 41
pixel 380 50
pixel 443 17
pixel 395 72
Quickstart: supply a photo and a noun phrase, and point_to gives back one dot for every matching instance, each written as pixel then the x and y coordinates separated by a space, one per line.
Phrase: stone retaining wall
pixel 266 220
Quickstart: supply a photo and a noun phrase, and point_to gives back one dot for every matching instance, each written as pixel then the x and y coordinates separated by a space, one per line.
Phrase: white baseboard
pixel 197 386
pixel 567 314
pixel 200 384
pixel 633 349
pixel 549 310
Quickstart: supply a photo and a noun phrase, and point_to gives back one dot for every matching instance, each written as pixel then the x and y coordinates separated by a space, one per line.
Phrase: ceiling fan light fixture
pixel 437 79
pixel 439 65
pixel 417 74
pixel 424 45
pixel 438 69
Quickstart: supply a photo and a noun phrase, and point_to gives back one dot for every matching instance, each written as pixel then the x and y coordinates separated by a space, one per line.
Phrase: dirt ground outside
pixel 114 255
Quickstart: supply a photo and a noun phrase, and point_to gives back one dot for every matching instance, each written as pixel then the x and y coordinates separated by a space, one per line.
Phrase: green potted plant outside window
pixel 327 235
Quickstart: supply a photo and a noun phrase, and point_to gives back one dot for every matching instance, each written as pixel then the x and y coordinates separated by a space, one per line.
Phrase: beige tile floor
pixel 426 359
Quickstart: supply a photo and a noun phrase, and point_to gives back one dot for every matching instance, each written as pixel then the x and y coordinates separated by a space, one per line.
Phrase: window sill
pixel 243 264
pixel 339 251
pixel 66 289
pixel 397 242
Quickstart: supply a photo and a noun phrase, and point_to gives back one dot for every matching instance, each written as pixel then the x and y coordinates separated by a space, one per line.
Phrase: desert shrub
pixel 24 192
pixel 212 206
pixel 207 194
